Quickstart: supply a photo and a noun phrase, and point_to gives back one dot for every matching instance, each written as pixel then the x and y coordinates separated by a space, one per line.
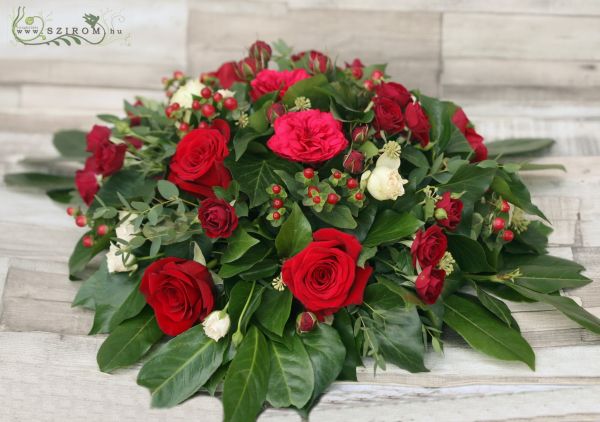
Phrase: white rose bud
pixel 183 96
pixel 216 325
pixel 118 263
pixel 385 183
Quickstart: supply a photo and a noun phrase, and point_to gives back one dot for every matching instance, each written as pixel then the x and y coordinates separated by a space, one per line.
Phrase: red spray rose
pixel 429 247
pixel 310 136
pixel 248 68
pixel 305 322
pixel 87 185
pixel 461 121
pixel 274 111
pixel 418 123
pixel 317 61
pixel 274 80
pixel 356 68
pixel 324 276
pixel 453 210
pixel 135 142
pixel 107 157
pixel 429 284
pixel 394 91
pixel 354 162
pixel 261 51
pixel 197 165
pixel 181 292
pixel 217 217
pixel 360 134
pixel 388 115
pixel 227 74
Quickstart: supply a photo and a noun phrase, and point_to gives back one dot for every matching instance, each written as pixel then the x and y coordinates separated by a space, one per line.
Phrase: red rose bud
pixel 498 224
pixel 429 284
pixel 394 91
pixel 377 74
pixel 356 68
pixel 429 247
pixel 274 111
pixel 357 72
pixel 260 51
pixel 248 68
pixel 369 85
pixel 217 217
pixel 319 62
pixel 305 322
pixel 418 123
pixel 508 236
pixel 448 211
pixel 354 162
pixel 178 74
pixel 359 134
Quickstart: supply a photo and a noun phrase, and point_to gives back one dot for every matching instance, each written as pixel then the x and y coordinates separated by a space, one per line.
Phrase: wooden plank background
pixel 519 67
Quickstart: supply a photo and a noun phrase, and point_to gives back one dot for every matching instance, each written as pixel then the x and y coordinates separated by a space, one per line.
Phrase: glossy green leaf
pixel 295 233
pixel 243 138
pixel 497 307
pixel 86 295
pixel 81 255
pixel 244 295
pixel 247 380
pixel 181 367
pixel 129 341
pixel 390 226
pixel 340 216
pixel 518 146
pixel 469 254
pixel 470 179
pixel 71 143
pixel 238 245
pixel 512 188
pixel 308 88
pixel 275 309
pixel 252 257
pixel 342 322
pixel 484 332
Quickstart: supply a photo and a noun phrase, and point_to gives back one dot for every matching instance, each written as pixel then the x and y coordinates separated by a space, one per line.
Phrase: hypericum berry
pixel 276 189
pixel 508 235
pixel 175 106
pixel 208 110
pixel 230 103
pixel 196 105
pixel 505 206
pixel 184 127
pixel 352 183
pixel 87 241
pixel 102 229
pixel 71 211
pixel 312 190
pixel 277 203
pixel 276 215
pixel 206 92
pixel 203 125
pixel 332 199
pixel 308 173
pixel 359 196
pixel 498 224
pixel 337 174
pixel 377 74
pixel 369 85
pixel 169 94
pixel 217 97
pixel 316 199
pixel 168 111
pixel 81 220
pixel 178 74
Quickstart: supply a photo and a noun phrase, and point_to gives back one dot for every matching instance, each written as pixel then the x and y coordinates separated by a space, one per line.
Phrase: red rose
pixel 429 247
pixel 356 68
pixel 87 185
pixel 197 165
pixel 388 115
pixel 217 217
pixel 310 136
pixel 461 121
pixel 394 91
pixel 418 123
pixel 453 210
pixel 97 136
pixel 429 284
pixel 324 276
pixel 354 162
pixel 274 80
pixel 223 127
pixel 305 322
pixel 261 51
pixel 181 292
pixel 248 68
pixel 274 111
pixel 107 157
pixel 227 74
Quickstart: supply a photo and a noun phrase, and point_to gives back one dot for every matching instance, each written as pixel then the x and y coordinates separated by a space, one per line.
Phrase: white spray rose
pixel 385 182
pixel 216 325
pixel 124 231
pixel 183 95
pixel 226 93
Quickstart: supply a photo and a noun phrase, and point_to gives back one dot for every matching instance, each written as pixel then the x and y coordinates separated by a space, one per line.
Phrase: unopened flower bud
pixel 274 111
pixel 237 338
pixel 260 51
pixel 354 162
pixel 305 322
pixel 359 134
pixel 248 68
pixel 216 325
pixel 440 214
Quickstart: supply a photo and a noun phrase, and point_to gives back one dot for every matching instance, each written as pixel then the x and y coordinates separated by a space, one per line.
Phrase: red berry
pixel 332 199
pixel 316 199
pixel 508 235
pixel 178 74
pixel 369 85
pixel 102 230
pixel 230 103
pixel 184 127
pixel 203 125
pixel 81 220
pixel 164 80
pixel 276 215
pixel 168 111
pixel 175 106
pixel 309 173
pixel 311 190
pixel 276 189
pixel 352 183
pixel 217 97
pixel 357 72
pixel 169 94
pixel 498 224
pixel 337 175
pixel 196 105
pixel 377 74
pixel 505 206
pixel 206 92
pixel 208 110
pixel 70 210
pixel 359 196
pixel 277 203
pixel 87 241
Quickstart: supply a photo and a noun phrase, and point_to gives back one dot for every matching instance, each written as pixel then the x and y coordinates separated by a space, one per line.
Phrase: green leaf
pixel 129 341
pixel 512 188
pixel 71 143
pixel 243 137
pixel 247 380
pixel 534 239
pixel 39 180
pixel 308 88
pixel 517 146
pixel 167 189
pixel 537 166
pixel 291 380
pixel 470 179
pixel 86 295
pixel 390 227
pixel 327 353
pixel 130 184
pixel 497 307
pixel 342 322
pixel 469 254
pixel 295 233
pixel 251 258
pixel 563 304
pixel 81 255
pixel 238 245
pixel 274 312
pixel 340 216
pixel 484 332
pixel 246 298
pixel 63 196
pixel 181 367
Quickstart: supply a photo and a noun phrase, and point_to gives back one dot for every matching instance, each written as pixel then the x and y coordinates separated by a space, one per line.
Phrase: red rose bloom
pixel 453 208
pixel 418 123
pixel 261 51
pixel 274 80
pixel 217 217
pixel 317 61
pixel 429 284
pixel 181 292
pixel 461 121
pixel 197 165
pixel 324 276
pixel 429 247
pixel 394 91
pixel 388 115
pixel 354 162
pixel 310 136
pixel 107 158
pixel 356 68
pixel 226 74
pixel 87 185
